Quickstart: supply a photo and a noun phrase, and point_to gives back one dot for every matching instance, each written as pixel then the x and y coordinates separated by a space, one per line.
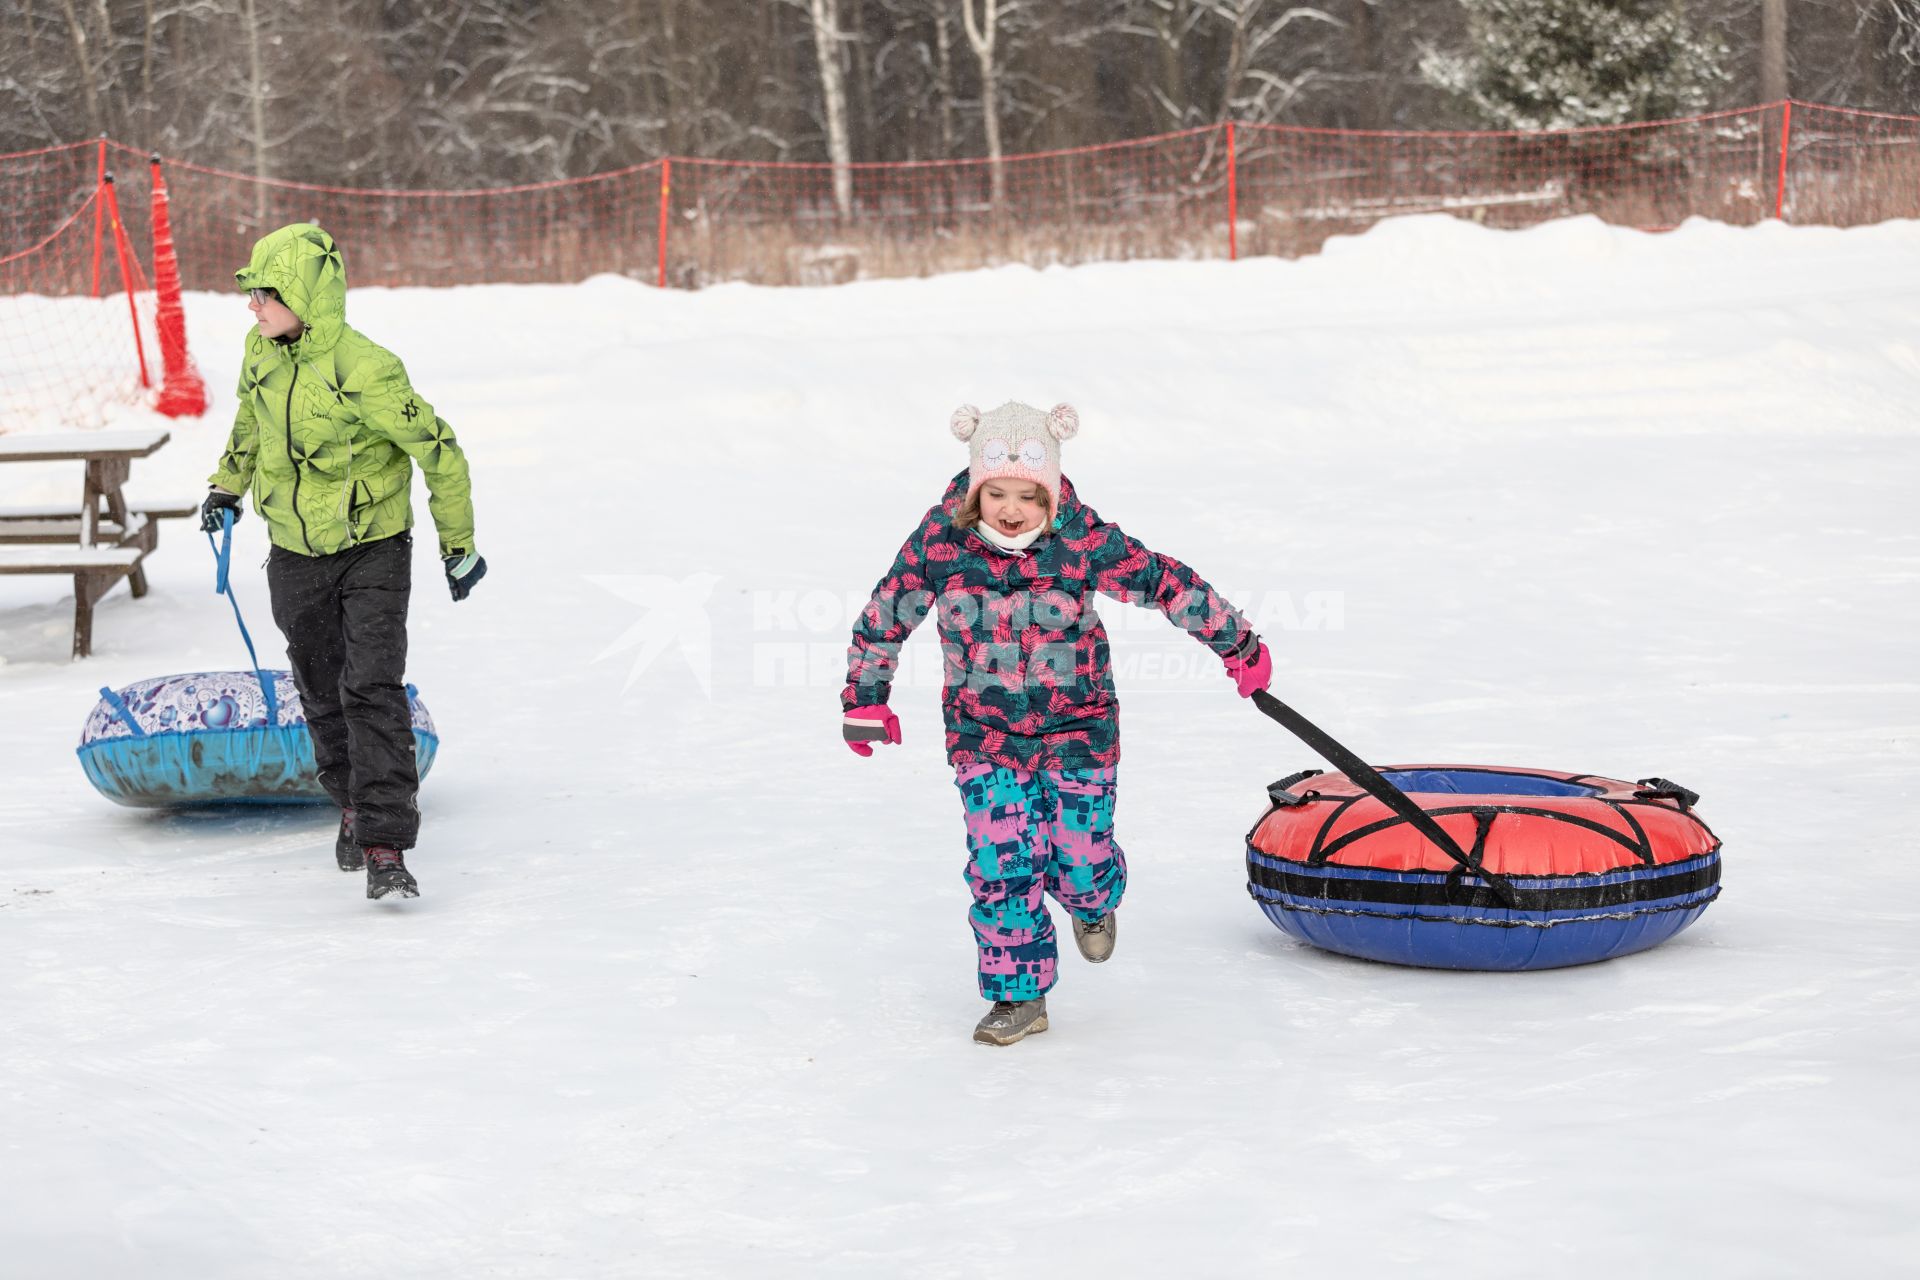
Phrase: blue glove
pixel 218 500
pixel 464 568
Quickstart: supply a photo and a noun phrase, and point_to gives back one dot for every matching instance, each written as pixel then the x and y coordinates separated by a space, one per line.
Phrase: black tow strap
pixel 1368 778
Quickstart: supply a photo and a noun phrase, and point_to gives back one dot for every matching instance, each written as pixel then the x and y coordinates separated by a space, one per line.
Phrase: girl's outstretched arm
pixel 1125 569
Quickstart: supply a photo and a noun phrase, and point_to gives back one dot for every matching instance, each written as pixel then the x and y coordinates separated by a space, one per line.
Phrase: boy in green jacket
pixel 326 436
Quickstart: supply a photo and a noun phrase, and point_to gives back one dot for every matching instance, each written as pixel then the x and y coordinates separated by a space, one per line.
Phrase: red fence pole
pixel 99 181
pixel 666 206
pixel 1233 200
pixel 126 278
pixel 182 393
pixel 1780 187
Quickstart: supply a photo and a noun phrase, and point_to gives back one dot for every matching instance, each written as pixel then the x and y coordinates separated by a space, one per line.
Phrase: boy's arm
pixel 1122 568
pixel 392 408
pixel 235 471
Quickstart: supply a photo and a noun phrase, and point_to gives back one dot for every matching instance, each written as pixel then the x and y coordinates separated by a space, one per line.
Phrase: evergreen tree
pixel 1558 64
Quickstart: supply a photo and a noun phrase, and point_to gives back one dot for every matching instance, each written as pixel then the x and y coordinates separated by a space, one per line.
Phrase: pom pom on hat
pixel 1063 420
pixel 965 421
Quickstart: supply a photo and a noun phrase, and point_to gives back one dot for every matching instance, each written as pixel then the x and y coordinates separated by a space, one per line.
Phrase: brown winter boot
pixel 1010 1021
pixel 1096 940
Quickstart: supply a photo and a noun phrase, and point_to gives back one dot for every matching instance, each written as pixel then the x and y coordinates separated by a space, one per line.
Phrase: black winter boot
pixel 387 873
pixel 346 850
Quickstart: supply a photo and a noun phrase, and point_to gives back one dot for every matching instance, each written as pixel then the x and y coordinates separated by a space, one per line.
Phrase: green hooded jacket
pixel 328 421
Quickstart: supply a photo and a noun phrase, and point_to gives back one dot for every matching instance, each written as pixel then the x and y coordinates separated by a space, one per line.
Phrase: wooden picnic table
pixel 101 539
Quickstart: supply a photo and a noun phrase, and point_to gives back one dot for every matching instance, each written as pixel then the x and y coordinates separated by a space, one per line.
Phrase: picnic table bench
pixel 99 541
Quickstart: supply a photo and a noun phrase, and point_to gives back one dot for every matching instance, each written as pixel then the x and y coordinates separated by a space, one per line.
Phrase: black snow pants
pixel 345 620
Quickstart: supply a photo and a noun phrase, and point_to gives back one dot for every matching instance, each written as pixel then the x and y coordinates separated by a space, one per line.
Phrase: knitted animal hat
pixel 1016 442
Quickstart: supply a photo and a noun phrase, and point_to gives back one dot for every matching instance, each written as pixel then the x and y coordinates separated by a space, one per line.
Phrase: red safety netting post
pixel 126 276
pixel 1780 187
pixel 666 198
pixel 99 183
pixel 1233 199
pixel 182 393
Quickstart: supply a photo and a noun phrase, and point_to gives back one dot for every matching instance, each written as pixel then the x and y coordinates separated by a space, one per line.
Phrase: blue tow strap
pixel 223 557
pixel 120 708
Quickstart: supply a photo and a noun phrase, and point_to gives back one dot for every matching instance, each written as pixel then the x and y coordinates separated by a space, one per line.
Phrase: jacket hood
pixel 303 265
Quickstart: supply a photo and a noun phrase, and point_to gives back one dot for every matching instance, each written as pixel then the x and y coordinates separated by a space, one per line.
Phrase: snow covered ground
pixel 690 988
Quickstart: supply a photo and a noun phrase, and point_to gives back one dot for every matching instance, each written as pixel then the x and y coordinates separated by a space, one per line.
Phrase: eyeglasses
pixel 260 296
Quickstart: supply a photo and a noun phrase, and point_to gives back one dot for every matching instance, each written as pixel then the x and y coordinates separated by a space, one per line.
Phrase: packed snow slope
pixel 690 987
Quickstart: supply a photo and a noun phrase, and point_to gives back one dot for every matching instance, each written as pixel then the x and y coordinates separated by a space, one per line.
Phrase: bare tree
pixel 34 82
pixel 1773 50
pixel 824 16
pixel 257 90
pixel 1258 81
pixel 943 44
pixel 90 49
pixel 1900 45
pixel 982 34
pixel 906 57
pixel 461 93
pixel 1166 26
pixel 1216 60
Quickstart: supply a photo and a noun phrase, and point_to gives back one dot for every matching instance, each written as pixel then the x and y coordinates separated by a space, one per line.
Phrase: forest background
pixel 483 93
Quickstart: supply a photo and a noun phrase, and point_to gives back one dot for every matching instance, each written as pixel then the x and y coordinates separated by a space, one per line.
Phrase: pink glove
pixel 1254 675
pixel 865 726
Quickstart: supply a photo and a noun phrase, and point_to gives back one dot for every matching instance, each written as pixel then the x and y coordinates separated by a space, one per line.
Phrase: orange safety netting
pixel 1296 187
pixel 681 222
pixel 1162 197
pixel 1843 168
pixel 546 232
pixel 76 304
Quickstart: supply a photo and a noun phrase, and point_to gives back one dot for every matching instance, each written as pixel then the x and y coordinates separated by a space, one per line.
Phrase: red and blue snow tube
pixel 1562 868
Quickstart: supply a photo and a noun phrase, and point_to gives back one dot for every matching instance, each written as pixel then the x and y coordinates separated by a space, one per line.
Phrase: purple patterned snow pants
pixel 1031 833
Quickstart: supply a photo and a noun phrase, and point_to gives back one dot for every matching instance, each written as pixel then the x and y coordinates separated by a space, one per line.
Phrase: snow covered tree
pixel 1559 64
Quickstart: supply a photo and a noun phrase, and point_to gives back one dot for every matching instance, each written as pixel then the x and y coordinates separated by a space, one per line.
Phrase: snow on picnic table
pixel 690 987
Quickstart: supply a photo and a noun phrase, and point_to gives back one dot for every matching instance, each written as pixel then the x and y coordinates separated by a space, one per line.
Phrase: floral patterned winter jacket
pixel 1028 681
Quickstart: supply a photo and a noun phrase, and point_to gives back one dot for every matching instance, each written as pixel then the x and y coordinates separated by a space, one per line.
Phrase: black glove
pixel 464 568
pixel 218 500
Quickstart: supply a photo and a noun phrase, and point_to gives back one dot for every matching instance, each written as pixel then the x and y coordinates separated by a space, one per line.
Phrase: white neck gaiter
pixel 1018 542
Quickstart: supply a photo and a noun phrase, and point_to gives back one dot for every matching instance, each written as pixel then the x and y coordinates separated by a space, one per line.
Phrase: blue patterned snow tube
pixel 208 738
